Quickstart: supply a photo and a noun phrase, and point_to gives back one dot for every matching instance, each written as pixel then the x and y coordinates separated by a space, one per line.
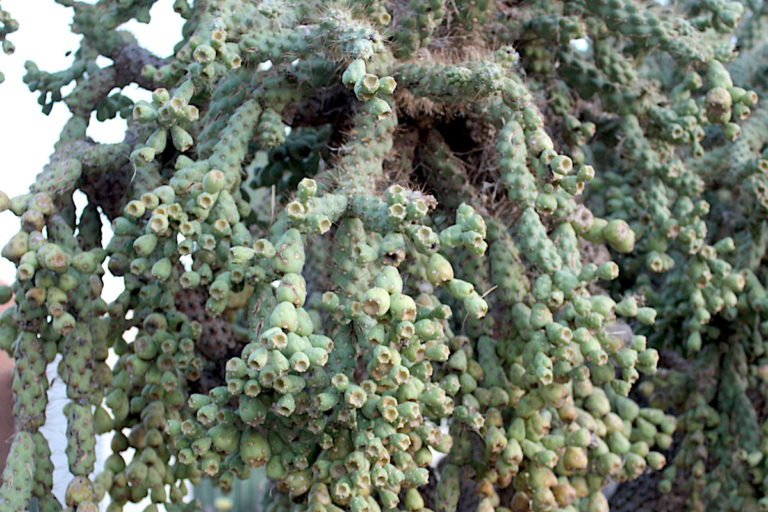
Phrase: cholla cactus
pixel 355 235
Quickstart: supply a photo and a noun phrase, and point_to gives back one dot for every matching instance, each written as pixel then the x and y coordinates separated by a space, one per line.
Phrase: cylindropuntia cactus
pixel 528 238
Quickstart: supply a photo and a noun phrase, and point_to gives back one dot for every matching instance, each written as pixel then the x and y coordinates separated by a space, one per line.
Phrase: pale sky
pixel 27 137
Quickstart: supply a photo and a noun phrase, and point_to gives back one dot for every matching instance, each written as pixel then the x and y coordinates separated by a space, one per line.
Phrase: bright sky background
pixel 27 137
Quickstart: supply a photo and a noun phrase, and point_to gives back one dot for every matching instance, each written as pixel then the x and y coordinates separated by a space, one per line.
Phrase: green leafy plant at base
pixel 405 256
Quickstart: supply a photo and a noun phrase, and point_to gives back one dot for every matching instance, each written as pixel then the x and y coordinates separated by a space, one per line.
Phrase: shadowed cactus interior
pixel 420 255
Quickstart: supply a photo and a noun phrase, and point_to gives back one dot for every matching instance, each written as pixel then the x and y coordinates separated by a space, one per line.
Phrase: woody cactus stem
pixel 446 288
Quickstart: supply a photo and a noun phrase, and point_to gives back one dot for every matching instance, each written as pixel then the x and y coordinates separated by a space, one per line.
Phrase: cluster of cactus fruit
pixel 406 255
